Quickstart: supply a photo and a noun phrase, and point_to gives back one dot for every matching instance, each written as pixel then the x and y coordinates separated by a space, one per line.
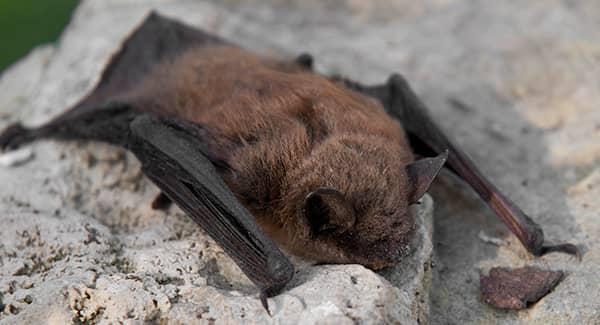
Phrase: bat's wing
pixel 157 39
pixel 427 139
pixel 170 153
pixel 101 115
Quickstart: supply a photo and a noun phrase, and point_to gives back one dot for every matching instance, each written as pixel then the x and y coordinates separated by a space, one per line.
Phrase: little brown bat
pixel 248 145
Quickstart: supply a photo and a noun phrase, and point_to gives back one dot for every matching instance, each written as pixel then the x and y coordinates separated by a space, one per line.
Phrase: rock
pixel 515 83
pixel 69 267
pixel 80 244
pixel 517 288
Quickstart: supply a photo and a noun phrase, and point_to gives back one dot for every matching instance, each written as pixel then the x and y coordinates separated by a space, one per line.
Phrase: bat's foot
pixel 305 60
pixel 14 136
pixel 562 248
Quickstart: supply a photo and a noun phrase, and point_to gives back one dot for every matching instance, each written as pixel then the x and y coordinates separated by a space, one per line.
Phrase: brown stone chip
pixel 514 288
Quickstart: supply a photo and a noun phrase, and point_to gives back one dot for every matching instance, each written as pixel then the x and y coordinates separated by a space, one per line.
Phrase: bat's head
pixel 354 200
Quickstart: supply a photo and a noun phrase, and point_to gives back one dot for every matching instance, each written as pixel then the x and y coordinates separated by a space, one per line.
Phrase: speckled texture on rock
pixel 67 264
pixel 514 82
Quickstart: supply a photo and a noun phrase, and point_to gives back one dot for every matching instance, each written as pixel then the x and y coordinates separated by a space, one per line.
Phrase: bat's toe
pixel 562 248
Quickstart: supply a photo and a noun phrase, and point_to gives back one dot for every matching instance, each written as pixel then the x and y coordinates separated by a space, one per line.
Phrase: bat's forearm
pixel 427 138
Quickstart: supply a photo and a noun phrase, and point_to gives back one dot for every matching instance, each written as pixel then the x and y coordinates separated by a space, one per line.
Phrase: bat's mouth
pixel 388 259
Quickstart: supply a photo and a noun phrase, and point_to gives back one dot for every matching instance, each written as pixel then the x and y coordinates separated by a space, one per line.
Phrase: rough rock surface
pixel 79 243
pixel 515 83
pixel 517 288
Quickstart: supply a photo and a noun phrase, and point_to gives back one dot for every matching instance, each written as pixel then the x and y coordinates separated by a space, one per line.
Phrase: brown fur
pixel 289 132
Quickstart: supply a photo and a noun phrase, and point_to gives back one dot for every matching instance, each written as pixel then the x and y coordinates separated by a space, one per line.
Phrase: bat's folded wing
pixel 426 138
pixel 171 157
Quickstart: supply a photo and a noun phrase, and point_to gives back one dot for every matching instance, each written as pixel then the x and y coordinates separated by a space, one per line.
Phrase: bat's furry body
pixel 284 132
pixel 323 164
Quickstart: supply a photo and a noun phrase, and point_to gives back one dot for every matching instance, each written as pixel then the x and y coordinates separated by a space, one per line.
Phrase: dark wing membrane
pixel 102 115
pixel 157 39
pixel 171 158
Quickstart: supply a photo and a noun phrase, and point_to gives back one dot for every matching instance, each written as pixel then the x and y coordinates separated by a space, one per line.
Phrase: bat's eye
pixel 328 212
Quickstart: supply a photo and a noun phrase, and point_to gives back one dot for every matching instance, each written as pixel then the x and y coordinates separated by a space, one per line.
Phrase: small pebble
pixel 491 240
pixel 15 158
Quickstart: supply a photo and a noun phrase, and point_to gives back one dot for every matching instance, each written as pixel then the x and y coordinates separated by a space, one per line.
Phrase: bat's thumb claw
pixel 265 303
pixel 445 154
pixel 562 248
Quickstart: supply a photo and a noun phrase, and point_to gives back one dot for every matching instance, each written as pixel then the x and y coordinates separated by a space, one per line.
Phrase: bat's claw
pixel 265 303
pixel 562 248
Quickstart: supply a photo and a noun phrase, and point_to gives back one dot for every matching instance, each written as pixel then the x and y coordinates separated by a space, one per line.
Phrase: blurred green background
pixel 27 23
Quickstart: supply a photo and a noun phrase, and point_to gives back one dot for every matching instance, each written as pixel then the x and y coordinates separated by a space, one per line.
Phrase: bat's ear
pixel 328 212
pixel 421 174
